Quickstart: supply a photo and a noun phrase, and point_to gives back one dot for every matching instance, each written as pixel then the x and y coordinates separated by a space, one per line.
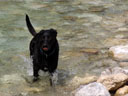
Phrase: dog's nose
pixel 45 45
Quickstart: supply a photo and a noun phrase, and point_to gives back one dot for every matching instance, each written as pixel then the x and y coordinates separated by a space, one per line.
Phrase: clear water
pixel 81 24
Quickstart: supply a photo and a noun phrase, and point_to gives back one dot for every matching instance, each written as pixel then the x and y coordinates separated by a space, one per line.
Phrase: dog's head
pixel 47 39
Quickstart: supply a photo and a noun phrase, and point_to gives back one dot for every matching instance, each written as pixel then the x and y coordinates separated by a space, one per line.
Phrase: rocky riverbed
pixel 112 82
pixel 93 37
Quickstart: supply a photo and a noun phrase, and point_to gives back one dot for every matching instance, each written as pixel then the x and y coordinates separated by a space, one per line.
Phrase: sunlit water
pixel 81 25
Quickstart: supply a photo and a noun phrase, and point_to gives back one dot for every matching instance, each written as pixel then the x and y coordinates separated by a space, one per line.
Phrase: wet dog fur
pixel 44 50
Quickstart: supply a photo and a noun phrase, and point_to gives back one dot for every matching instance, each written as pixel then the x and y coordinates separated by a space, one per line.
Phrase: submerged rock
pixel 122 29
pixel 34 89
pixel 4 94
pixel 113 71
pixel 12 78
pixel 89 51
pixel 92 89
pixel 77 81
pixel 114 78
pixel 97 9
pixel 119 53
pixel 123 64
pixel 122 91
pixel 114 22
pixel 91 18
pixel 115 41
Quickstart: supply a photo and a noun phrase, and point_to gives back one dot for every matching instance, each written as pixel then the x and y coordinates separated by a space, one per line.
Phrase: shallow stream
pixel 86 30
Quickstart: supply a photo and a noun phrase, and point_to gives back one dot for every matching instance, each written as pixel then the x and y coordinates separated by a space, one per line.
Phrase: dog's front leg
pixel 51 82
pixel 53 78
pixel 36 78
pixel 35 73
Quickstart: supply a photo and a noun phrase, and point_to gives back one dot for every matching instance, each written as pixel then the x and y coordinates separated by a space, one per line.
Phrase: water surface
pixel 86 30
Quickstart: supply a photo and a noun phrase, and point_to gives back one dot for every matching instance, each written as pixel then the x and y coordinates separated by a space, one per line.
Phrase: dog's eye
pixel 46 38
pixel 49 38
pixel 43 37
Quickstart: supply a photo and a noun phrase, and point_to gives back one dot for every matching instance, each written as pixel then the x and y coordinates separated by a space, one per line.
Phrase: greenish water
pixel 81 25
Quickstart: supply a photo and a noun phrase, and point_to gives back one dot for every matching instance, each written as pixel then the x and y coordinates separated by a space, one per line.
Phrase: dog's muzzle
pixel 45 49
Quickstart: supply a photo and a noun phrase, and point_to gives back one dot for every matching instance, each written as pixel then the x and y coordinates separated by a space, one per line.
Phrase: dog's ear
pixel 54 31
pixel 30 27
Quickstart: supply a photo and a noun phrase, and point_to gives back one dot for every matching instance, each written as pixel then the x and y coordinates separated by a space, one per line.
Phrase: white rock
pixel 92 89
pixel 119 53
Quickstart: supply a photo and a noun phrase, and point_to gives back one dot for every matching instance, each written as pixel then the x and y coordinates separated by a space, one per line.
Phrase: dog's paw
pixel 35 79
pixel 54 78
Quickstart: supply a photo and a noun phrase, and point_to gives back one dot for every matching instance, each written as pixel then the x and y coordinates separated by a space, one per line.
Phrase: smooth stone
pixel 97 9
pixel 72 18
pixel 89 51
pixel 34 89
pixel 77 81
pixel 122 91
pixel 119 53
pixel 92 89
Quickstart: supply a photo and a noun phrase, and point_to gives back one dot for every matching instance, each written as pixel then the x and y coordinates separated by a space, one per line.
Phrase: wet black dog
pixel 44 50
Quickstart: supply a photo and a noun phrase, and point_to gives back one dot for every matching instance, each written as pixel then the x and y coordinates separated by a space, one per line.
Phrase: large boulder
pixel 113 82
pixel 92 89
pixel 114 78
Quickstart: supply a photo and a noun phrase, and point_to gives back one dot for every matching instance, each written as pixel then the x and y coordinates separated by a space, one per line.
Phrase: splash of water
pixel 28 65
pixel 54 77
pixel 29 69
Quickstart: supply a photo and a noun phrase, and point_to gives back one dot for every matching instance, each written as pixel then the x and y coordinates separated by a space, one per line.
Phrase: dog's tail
pixel 30 27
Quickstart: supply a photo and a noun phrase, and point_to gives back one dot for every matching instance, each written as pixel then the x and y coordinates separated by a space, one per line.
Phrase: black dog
pixel 44 50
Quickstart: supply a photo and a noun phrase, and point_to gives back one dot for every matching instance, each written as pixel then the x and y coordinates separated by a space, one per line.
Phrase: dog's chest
pixel 44 60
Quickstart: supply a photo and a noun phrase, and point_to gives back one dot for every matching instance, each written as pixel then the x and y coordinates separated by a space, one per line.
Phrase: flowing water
pixel 86 30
